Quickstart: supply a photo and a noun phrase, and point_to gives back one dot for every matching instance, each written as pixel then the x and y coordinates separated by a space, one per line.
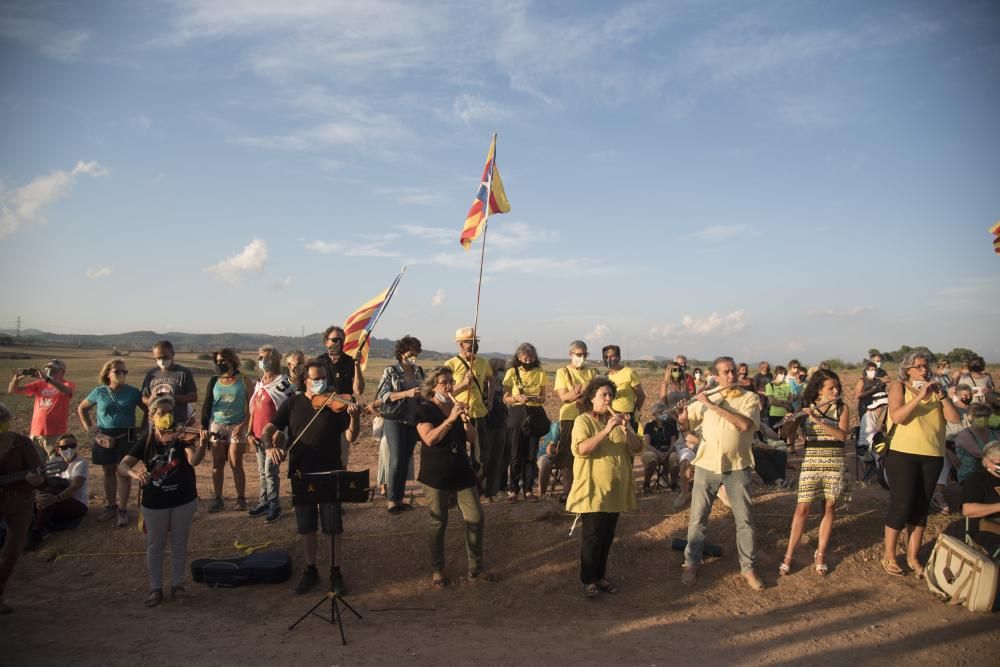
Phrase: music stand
pixel 326 487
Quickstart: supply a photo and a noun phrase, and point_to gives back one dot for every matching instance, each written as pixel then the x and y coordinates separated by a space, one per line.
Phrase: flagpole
pixel 368 330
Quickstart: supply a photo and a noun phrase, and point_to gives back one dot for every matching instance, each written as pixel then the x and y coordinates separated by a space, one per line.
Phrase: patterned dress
pixel 824 466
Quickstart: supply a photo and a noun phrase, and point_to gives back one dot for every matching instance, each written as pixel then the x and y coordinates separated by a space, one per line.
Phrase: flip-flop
pixel 918 569
pixel 591 591
pixel 891 567
pixel 607 587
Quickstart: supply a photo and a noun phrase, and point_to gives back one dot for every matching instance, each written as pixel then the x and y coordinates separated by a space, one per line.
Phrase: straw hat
pixel 465 333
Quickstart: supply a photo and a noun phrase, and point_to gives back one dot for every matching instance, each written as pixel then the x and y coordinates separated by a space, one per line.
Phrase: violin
pixel 334 401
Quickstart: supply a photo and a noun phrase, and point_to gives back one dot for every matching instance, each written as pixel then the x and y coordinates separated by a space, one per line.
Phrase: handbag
pixel 535 423
pixel 962 575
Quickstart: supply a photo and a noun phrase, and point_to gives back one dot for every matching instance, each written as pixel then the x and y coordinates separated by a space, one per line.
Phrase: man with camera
pixel 52 393
pixel 312 447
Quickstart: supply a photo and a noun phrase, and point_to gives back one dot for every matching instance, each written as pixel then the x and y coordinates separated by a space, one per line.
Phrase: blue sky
pixel 767 180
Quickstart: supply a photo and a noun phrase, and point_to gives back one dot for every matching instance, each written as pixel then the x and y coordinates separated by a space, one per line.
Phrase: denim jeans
pixel 270 478
pixel 706 488
pixel 402 438
pixel 472 512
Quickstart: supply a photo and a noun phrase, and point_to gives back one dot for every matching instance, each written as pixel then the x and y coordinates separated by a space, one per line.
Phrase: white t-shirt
pixel 78 468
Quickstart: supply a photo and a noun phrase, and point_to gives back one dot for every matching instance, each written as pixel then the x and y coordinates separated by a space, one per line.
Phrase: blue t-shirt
pixel 115 409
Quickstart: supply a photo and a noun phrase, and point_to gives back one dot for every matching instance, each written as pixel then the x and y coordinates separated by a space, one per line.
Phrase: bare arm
pixel 354 427
pixel 58 384
pixel 83 412
pixel 359 378
pixel 431 435
pixel 640 398
pixel 951 413
pixel 979 510
pixel 901 411
pixel 197 453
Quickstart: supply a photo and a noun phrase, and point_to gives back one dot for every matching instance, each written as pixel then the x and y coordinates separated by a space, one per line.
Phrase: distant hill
pixel 381 348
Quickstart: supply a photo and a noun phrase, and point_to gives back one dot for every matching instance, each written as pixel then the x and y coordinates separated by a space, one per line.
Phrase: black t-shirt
pixel 981 487
pixel 339 374
pixel 660 433
pixel 177 380
pixel 172 482
pixel 761 380
pixel 445 465
pixel 319 448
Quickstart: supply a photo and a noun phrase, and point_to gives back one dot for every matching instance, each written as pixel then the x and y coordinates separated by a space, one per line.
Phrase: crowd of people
pixel 484 436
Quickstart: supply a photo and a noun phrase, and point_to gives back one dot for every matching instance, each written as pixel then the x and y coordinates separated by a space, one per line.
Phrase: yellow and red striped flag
pixel 995 231
pixel 490 190
pixel 360 323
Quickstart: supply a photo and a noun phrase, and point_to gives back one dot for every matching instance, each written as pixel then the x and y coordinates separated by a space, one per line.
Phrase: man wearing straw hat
pixel 473 385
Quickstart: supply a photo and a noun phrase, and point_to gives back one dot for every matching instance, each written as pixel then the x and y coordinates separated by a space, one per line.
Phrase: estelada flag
pixel 995 231
pixel 491 190
pixel 359 324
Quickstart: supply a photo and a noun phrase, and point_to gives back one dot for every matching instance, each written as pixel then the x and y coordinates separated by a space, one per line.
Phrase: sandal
pixel 438 581
pixel 821 568
pixel 154 598
pixel 786 566
pixel 591 591
pixel 607 587
pixel 530 497
pixel 918 569
pixel 891 567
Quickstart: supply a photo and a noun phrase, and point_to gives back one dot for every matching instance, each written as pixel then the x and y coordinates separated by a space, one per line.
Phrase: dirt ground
pixel 80 599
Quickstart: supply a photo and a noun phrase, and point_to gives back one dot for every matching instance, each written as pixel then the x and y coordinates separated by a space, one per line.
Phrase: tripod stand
pixel 336 614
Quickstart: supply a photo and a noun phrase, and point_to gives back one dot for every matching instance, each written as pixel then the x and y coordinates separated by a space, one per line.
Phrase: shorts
pixel 328 515
pixel 685 454
pixel 121 445
pixel 227 431
pixel 650 456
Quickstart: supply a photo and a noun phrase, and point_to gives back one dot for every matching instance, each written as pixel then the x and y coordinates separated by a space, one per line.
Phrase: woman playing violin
pixel 164 467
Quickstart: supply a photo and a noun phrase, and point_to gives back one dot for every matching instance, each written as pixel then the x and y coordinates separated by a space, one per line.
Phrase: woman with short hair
pixel 918 410
pixel 114 433
pixel 224 417
pixel 604 445
pixel 570 382
pixel 524 391
pixel 446 473
pixel 399 392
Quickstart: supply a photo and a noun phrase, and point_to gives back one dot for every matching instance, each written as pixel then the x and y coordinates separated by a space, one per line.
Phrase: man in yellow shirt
pixel 629 395
pixel 473 386
pixel 724 459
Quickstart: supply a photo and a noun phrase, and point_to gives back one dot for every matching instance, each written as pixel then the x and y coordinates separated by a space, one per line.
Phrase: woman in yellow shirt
pixel 524 391
pixel 918 409
pixel 604 445
pixel 570 382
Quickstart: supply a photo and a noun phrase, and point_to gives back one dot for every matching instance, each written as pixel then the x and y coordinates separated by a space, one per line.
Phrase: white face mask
pixel 870 374
pixel 410 360
pixel 262 364
pixel 164 364
pixel 68 454
pixel 318 386
pixel 878 364
pixel 578 360
pixel 443 398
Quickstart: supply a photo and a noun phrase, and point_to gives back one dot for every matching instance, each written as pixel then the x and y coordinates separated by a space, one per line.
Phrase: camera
pixel 33 372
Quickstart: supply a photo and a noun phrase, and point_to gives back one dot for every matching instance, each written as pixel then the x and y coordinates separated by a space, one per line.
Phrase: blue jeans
pixel 706 488
pixel 270 478
pixel 402 438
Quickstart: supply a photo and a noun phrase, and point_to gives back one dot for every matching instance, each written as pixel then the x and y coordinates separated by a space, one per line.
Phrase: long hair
pixel 229 355
pixel 816 381
pixel 525 348
pixel 104 377
pixel 431 380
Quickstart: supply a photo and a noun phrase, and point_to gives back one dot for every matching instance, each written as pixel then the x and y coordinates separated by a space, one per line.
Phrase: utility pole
pixel 18 329
pixel 303 331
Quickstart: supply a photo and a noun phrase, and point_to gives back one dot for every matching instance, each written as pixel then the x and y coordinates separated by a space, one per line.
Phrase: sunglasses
pixel 119 371
pixel 69 445
pixel 336 340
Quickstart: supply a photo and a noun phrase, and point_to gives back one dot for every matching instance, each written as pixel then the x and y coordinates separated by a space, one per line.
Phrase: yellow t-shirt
pixel 481 371
pixel 625 381
pixel 567 378
pixel 924 433
pixel 602 479
pixel 533 381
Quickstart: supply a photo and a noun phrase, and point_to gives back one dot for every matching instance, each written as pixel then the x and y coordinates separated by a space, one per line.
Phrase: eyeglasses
pixel 119 371
pixel 335 340
pixel 448 382
pixel 919 366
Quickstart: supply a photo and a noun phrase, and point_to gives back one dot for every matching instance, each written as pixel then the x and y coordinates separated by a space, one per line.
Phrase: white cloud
pixel 598 334
pixel 25 205
pixel 437 234
pixel 99 272
pixel 366 248
pixel 142 122
pixel 251 259
pixel 854 311
pixel 709 325
pixel 437 299
pixel 49 40
pixel 473 109
pixel 514 234
pixel 414 196
pixel 283 284
pixel 723 232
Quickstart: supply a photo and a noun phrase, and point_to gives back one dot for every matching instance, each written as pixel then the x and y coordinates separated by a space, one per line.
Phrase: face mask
pixel 878 364
pixel 981 422
pixel 164 364
pixel 164 422
pixel 68 454
pixel 611 361
pixel 965 400
pixel 578 360
pixel 222 367
pixel 976 368
pixel 778 379
pixel 318 386
pixel 262 364
pixel 870 375
pixel 444 398
pixel 994 422
pixel 697 376
pixel 675 374
pixel 410 360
